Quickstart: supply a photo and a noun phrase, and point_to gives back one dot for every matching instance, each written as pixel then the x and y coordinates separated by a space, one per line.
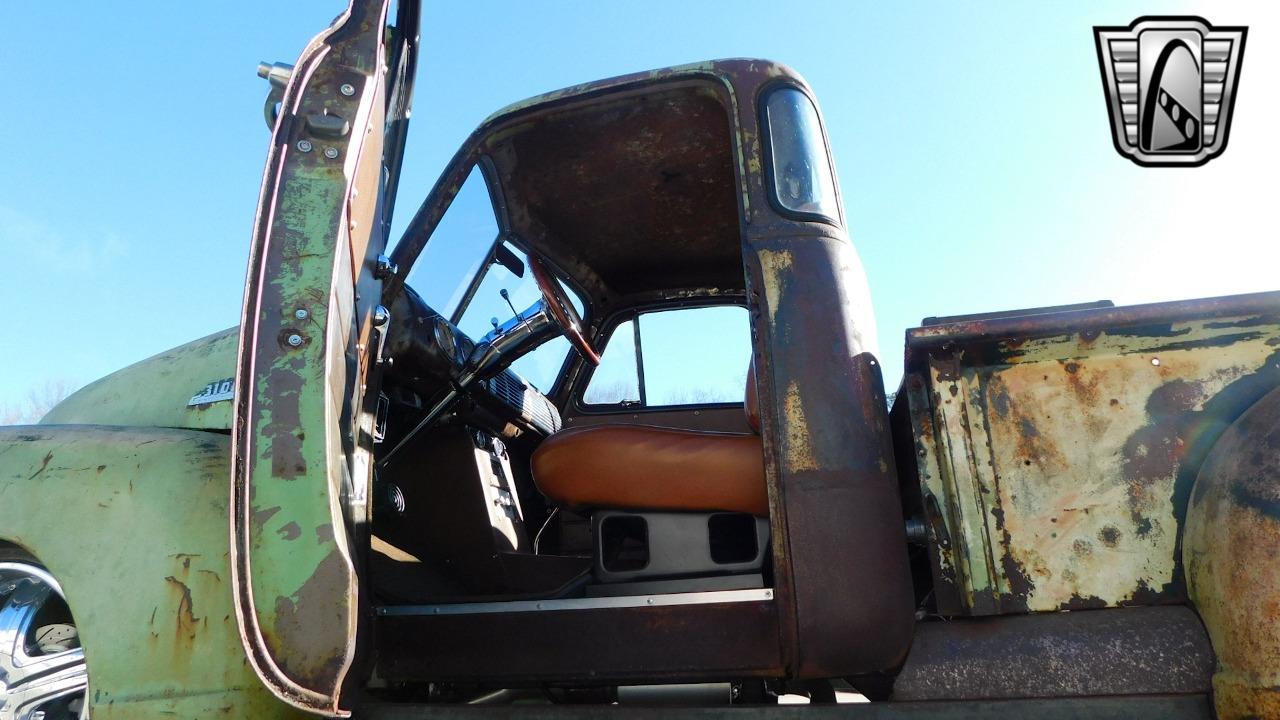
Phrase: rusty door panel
pixel 1056 452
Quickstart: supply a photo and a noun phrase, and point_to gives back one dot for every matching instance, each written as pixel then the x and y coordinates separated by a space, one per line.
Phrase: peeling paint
pixel 1065 460
pixel 155 618
pixel 775 265
pixel 799 456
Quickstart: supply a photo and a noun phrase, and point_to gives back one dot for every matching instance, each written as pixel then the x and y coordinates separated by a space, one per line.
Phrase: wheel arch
pixel 1230 545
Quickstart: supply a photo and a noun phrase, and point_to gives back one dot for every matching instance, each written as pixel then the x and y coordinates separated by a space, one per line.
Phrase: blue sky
pixel 971 142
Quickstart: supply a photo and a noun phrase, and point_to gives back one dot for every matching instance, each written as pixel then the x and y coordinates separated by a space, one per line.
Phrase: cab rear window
pixel 686 356
pixel 799 171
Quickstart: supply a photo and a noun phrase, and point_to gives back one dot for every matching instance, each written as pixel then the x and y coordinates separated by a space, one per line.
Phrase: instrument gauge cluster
pixel 448 341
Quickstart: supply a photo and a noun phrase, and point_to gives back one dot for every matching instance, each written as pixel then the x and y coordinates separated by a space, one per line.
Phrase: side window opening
pixel 664 358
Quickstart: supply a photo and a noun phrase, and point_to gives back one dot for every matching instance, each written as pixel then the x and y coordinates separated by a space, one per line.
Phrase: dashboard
pixel 430 353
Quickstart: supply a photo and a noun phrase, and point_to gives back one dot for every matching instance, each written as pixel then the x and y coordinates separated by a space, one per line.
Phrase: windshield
pixel 459 244
pixel 452 276
pixel 541 366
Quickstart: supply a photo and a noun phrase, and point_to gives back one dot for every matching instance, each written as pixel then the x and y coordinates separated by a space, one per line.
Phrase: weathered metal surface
pixel 825 423
pixel 603 178
pixel 1232 555
pixel 132 522
pixel 1056 451
pixel 1174 707
pixel 624 184
pixel 304 355
pixel 171 379
pixel 1119 651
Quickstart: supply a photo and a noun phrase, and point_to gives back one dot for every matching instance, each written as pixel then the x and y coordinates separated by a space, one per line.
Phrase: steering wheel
pixel 562 310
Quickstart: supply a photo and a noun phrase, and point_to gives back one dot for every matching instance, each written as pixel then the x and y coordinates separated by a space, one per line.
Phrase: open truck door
pixel 309 353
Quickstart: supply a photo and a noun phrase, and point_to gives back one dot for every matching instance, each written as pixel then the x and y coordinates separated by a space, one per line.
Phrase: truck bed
pixel 1054 450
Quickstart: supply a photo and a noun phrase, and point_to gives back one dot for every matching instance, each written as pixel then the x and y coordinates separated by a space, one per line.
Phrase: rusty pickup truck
pixel 605 424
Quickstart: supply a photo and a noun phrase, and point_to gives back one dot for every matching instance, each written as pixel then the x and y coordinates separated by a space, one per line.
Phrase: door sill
pixel 595 603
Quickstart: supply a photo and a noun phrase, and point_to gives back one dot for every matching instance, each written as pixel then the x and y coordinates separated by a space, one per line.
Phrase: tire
pixel 42 668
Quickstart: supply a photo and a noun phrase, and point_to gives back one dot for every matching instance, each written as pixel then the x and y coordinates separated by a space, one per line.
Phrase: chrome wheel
pixel 42 669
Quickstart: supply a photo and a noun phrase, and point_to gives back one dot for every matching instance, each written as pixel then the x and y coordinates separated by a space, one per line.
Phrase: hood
pixel 189 386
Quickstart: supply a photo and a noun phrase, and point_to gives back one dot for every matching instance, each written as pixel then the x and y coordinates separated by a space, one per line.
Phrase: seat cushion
pixel 639 467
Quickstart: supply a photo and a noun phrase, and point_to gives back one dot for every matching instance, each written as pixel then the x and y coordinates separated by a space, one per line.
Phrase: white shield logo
pixel 1170 85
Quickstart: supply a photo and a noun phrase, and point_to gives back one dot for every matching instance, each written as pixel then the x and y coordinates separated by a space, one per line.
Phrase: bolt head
pixel 301 314
pixel 304 145
pixel 295 340
pixel 331 152
pixel 347 89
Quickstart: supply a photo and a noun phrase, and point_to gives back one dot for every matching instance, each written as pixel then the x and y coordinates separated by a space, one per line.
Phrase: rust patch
pixel 1083 384
pixel 185 559
pixel 287 461
pixel 186 622
pixel 1000 400
pixel 1090 602
pixel 1020 585
pixel 1232 539
pixel 1096 523
pixel 260 517
pixel 1033 447
pixel 324 533
pixel 311 660
pixel 43 464
pixel 799 455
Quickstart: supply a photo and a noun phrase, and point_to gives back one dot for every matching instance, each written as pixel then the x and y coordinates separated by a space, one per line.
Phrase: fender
pixel 1230 551
pixel 133 523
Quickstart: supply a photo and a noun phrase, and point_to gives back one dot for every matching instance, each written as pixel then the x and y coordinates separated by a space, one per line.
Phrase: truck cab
pixel 561 417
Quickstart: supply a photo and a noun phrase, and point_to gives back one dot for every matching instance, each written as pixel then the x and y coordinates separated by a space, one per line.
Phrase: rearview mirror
pixel 503 256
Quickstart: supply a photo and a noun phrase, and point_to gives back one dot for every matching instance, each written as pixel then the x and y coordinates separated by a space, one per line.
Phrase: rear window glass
pixel 802 180
pixel 688 356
